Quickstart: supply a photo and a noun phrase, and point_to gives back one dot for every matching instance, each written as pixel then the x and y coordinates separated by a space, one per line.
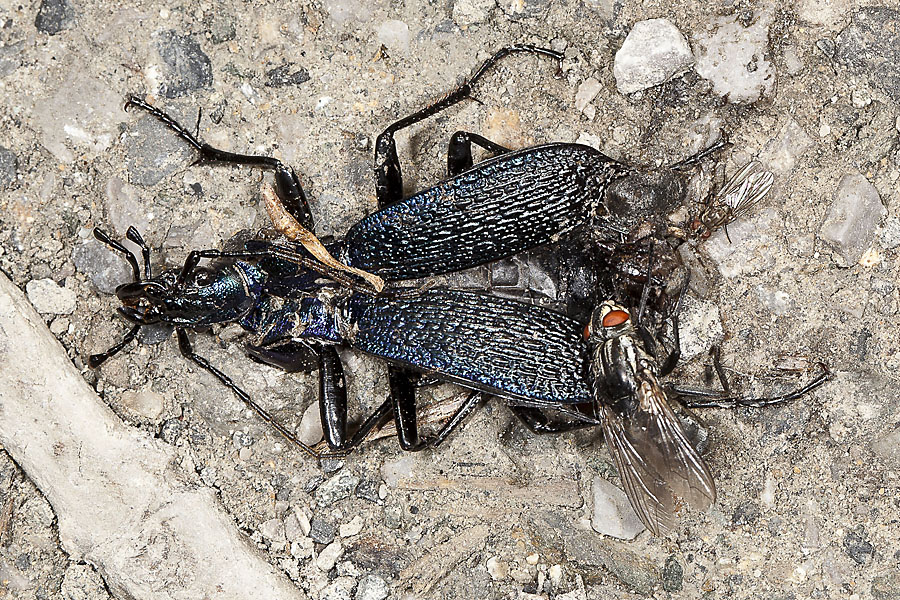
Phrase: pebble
pixel 732 58
pixel 54 16
pixel 784 150
pixel 858 547
pixel 371 587
pixel 337 488
pixel 394 35
pixel 672 575
pixel 321 531
pixel 310 429
pixel 329 556
pixel 153 152
pixel 368 490
pixel 851 222
pixel 750 248
pixel 105 268
pixel 48 297
pixel 292 529
pixel 870 47
pixel 8 167
pixel 470 12
pixel 700 327
pixel 147 403
pixel 352 528
pixel 587 91
pixel 890 233
pixel 612 514
pixel 273 530
pixel 555 575
pixel 245 454
pixel 497 568
pixel 745 513
pixel 339 589
pixel 59 326
pixel 302 548
pixel 532 559
pixel 186 66
pixel 286 75
pixel 654 52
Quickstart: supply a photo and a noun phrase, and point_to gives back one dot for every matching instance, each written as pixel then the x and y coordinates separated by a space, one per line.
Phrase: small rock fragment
pixel 152 152
pixel 870 47
pixel 394 35
pixel 329 556
pixel 187 67
pixel 352 528
pixel 337 488
pixel 54 16
pixel 746 513
pixel 887 447
pixel 147 403
pixel 555 574
pixel 273 530
pixel 782 152
pixel 310 429
pixel 286 75
pixel 732 58
pixel 48 297
pixel 852 218
pixel 497 568
pixel 82 581
pixel 371 587
pixel 700 327
pixel 613 515
pixel 8 168
pixel 654 52
pixel 321 531
pixel 858 547
pixel 672 575
pixel 470 12
pixel 587 91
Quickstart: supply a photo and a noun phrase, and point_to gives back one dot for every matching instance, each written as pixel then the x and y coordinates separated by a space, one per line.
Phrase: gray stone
pixel 48 297
pixel 784 150
pixel 732 58
pixel 368 490
pixel 654 52
pixel 321 531
pixel 870 47
pixel 187 67
pixel 672 575
pixel 310 430
pixel 746 513
pixel 852 219
pixel 337 488
pixel 525 9
pixel 11 57
pixel 54 16
pixel 153 152
pixel 286 75
pixel 371 587
pixel 858 547
pixel 887 448
pixel 890 233
pixel 613 515
pixel 8 166
pixel 394 35
pixel 105 268
pixel 220 27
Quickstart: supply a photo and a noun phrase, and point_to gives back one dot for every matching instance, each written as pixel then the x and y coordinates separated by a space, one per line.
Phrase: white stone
pixel 587 91
pixel 329 556
pixel 147 403
pixel 470 12
pixel 352 528
pixel 852 218
pixel 310 429
pixel 612 515
pixel 394 35
pixel 699 327
pixel 732 58
pixel 497 568
pixel 654 52
pixel 49 298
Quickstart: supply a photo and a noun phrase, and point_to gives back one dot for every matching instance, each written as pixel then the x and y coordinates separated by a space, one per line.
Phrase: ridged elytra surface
pixel 515 350
pixel 498 208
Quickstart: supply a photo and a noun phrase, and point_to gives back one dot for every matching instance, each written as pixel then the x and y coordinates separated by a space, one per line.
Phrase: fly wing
pixel 746 188
pixel 649 495
pixel 656 433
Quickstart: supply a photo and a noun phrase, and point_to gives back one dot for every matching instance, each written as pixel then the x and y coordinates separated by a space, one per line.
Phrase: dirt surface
pixel 808 492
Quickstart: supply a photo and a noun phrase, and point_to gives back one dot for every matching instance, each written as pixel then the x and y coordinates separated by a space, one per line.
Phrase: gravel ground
pixel 808 491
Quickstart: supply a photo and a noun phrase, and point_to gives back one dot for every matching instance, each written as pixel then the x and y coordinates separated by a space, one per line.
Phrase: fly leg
pixel 388 176
pixel 287 185
pixel 710 399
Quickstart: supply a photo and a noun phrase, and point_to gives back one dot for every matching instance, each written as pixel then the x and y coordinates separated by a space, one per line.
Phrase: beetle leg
pixel 286 182
pixel 403 396
pixel 538 422
pixel 184 345
pixel 332 398
pixel 388 176
pixel 712 399
pixel 459 152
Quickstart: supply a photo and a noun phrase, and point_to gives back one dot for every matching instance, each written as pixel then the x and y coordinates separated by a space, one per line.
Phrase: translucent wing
pixel 655 459
pixel 745 189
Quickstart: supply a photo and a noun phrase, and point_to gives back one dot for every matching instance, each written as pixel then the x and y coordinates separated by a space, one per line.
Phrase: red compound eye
pixel 587 331
pixel 615 317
